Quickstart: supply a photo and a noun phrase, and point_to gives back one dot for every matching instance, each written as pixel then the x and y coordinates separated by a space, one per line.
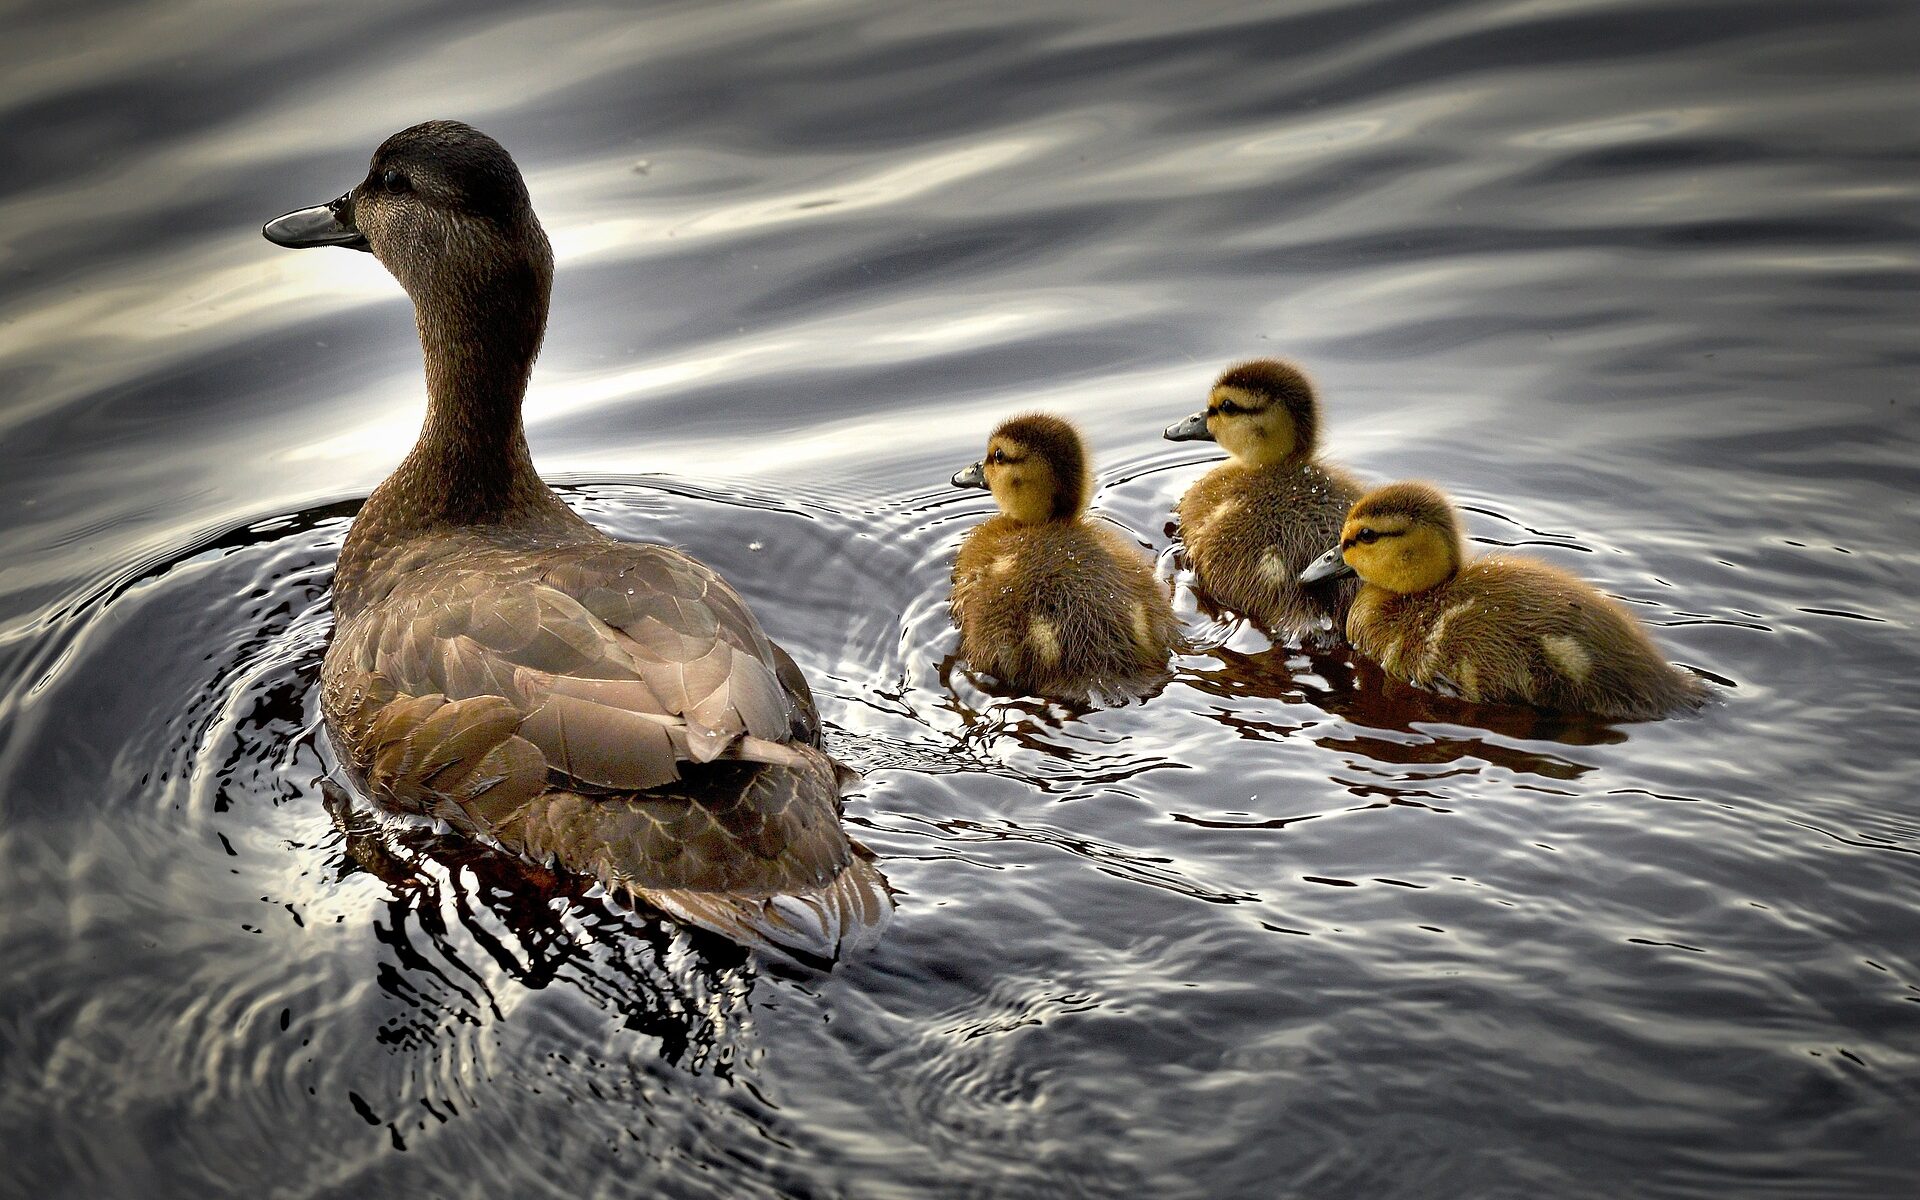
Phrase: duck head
pixel 1261 412
pixel 1036 468
pixel 1403 537
pixel 444 209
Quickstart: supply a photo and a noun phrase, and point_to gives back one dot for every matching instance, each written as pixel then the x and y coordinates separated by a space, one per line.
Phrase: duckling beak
pixel 325 225
pixel 1189 429
pixel 971 475
pixel 1330 565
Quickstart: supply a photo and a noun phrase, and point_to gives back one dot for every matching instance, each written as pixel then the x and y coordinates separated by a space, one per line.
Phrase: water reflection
pixel 537 928
pixel 1386 720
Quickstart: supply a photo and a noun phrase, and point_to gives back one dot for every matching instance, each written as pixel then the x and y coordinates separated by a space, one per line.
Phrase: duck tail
pixel 814 925
pixel 752 851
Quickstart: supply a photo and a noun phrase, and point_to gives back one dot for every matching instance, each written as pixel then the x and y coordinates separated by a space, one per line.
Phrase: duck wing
pixel 624 661
pixel 614 707
pixel 654 633
pixel 746 850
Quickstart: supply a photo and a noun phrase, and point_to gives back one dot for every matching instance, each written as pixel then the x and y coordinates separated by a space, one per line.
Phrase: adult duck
pixel 502 665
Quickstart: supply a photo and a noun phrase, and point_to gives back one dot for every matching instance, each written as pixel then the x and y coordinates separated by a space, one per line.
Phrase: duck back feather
pixel 614 710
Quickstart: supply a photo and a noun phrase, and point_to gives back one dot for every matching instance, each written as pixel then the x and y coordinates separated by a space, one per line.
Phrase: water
pixel 1635 281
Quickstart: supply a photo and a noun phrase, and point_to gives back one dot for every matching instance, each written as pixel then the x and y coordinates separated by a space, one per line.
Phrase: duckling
pixel 1255 521
pixel 610 708
pixel 1046 599
pixel 1498 629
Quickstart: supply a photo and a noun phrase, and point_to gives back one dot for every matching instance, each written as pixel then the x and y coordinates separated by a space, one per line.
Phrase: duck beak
pixel 973 475
pixel 326 225
pixel 1189 429
pixel 1331 565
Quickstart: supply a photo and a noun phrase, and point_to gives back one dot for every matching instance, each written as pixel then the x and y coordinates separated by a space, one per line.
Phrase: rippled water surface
pixel 1636 281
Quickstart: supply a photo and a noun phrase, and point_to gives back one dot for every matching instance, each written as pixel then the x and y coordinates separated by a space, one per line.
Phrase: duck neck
pixel 471 464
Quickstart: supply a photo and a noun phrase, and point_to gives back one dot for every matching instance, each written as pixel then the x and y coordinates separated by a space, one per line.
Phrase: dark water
pixel 1636 281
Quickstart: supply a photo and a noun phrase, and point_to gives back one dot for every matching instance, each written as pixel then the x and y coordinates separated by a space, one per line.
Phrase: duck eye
pixel 394 180
pixel 1366 537
pixel 998 456
pixel 1227 408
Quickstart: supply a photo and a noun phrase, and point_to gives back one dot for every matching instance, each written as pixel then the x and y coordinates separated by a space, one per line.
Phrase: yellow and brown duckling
pixel 1496 629
pixel 1047 600
pixel 1254 522
pixel 502 665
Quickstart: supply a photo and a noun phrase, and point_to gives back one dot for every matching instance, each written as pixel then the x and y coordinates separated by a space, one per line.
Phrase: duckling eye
pixel 1366 537
pixel 394 180
pixel 998 456
pixel 1227 408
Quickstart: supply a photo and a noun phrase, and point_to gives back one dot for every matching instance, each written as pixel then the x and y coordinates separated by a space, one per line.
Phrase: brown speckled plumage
pixel 502 665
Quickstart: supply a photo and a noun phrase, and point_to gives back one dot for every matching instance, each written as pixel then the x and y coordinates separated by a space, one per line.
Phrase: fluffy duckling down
pixel 1496 629
pixel 1045 599
pixel 1254 522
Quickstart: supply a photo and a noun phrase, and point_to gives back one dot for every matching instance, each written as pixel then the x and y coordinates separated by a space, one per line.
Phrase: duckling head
pixel 443 207
pixel 1262 412
pixel 1036 468
pixel 1403 537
